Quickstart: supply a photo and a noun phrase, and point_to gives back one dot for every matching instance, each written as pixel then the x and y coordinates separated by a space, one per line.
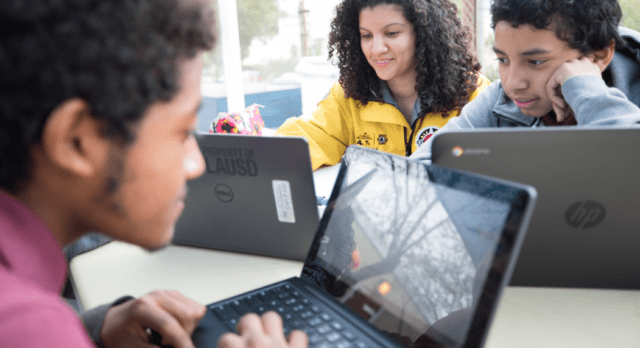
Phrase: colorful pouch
pixel 247 121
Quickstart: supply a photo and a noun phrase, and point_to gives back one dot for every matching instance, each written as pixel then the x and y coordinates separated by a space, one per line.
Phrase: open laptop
pixel 403 250
pixel 256 196
pixel 584 232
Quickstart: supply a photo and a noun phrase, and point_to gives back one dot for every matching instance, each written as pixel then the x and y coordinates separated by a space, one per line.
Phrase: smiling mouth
pixel 383 63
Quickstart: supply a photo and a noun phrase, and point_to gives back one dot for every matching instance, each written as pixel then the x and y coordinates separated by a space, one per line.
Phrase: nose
pixel 516 78
pixel 193 161
pixel 379 45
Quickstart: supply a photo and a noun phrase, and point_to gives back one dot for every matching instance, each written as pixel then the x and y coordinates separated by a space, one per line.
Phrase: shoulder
pixel 630 35
pixel 488 94
pixel 336 92
pixel 33 318
pixel 336 97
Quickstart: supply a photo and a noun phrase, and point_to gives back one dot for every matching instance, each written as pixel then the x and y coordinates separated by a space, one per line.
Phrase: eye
pixel 365 36
pixel 392 33
pixel 502 60
pixel 536 62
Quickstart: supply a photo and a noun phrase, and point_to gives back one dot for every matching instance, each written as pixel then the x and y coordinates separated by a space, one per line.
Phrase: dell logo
pixel 585 214
pixel 224 193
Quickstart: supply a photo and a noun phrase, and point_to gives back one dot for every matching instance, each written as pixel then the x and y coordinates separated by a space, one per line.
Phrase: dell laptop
pixel 256 196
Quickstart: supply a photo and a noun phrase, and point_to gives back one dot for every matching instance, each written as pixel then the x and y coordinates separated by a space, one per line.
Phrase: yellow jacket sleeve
pixel 328 129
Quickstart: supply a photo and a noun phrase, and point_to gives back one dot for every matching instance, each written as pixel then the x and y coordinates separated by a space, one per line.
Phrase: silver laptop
pixel 585 231
pixel 406 255
pixel 256 196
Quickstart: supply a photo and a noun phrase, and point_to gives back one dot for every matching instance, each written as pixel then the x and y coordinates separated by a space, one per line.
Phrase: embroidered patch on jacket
pixel 382 139
pixel 364 140
pixel 425 133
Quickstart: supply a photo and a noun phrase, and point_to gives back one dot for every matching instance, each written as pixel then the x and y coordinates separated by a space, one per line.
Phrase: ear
pixel 72 139
pixel 604 56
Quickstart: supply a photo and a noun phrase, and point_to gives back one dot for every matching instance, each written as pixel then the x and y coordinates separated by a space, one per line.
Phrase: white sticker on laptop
pixel 284 202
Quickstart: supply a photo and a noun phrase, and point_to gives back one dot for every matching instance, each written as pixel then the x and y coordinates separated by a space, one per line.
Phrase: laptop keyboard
pixel 297 312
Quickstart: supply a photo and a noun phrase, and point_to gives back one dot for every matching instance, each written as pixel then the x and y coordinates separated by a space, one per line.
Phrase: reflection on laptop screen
pixel 408 253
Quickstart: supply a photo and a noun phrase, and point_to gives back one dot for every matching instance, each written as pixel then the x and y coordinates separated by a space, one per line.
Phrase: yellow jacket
pixel 339 122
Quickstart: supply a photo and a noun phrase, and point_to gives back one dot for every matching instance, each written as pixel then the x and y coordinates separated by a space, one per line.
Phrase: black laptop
pixel 584 232
pixel 256 196
pixel 406 254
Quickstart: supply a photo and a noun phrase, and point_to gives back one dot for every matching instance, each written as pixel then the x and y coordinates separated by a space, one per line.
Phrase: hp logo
pixel 585 214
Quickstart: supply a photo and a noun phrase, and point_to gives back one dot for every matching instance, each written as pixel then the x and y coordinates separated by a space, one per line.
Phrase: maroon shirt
pixel 33 271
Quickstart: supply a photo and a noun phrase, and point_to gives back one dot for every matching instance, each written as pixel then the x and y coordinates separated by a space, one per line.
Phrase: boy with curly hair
pixel 98 104
pixel 561 62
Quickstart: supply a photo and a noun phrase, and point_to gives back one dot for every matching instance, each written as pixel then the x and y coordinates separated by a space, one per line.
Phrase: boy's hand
pixel 576 67
pixel 169 313
pixel 263 332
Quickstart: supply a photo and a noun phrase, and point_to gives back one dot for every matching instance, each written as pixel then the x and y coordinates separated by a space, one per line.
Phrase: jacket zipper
pixel 407 145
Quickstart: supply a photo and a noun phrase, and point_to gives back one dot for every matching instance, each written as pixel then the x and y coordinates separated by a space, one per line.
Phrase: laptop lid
pixel 420 251
pixel 584 230
pixel 256 196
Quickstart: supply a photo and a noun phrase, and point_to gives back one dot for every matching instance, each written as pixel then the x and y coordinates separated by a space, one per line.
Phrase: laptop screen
pixel 411 247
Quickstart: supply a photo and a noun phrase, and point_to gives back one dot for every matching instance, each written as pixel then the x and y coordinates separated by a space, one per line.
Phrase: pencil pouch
pixel 247 121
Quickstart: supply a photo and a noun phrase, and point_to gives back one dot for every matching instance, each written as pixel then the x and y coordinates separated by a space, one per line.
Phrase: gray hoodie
pixel 610 101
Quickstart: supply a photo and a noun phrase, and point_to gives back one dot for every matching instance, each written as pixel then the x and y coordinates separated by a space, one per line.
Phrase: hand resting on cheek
pixel 575 67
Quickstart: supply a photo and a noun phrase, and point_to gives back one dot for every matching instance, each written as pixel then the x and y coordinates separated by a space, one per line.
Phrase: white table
pixel 566 318
pixel 526 317
pixel 117 269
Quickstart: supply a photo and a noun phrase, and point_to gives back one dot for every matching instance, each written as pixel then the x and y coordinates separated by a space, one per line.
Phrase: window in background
pixel 475 15
pixel 283 55
pixel 630 14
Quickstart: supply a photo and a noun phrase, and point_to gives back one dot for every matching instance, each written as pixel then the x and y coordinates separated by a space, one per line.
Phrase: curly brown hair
pixel 120 56
pixel 447 69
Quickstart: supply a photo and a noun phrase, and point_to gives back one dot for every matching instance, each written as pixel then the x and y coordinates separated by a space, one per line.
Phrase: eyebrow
pixel 386 26
pixel 531 52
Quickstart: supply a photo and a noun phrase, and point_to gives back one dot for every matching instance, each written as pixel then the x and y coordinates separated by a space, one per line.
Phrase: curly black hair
pixel 120 56
pixel 586 25
pixel 447 69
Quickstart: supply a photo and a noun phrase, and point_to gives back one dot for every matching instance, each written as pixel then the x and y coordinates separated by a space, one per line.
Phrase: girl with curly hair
pixel 405 70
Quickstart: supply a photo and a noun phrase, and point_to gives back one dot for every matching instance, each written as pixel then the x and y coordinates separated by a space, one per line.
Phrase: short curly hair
pixel 447 69
pixel 586 25
pixel 120 56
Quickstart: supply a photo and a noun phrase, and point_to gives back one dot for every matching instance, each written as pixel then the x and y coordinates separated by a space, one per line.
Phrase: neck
pixel 52 212
pixel 403 88
pixel 50 195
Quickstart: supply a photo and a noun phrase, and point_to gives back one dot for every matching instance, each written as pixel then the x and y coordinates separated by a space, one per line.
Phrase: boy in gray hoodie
pixel 561 62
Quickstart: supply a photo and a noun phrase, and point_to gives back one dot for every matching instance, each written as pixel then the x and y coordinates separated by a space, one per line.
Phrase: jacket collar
pixel 28 249
pixel 388 100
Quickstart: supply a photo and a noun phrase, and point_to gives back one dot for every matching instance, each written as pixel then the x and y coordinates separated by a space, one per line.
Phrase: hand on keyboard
pixel 167 316
pixel 265 331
